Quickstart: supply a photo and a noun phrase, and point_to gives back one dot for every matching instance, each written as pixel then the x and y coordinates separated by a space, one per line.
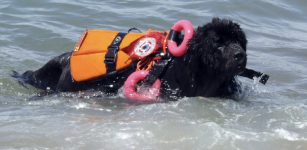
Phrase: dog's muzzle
pixel 239 56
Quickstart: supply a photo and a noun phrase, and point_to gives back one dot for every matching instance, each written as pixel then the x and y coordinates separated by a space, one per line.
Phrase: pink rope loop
pixel 130 91
pixel 188 33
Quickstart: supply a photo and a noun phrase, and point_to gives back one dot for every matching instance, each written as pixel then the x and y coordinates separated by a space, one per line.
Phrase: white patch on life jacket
pixel 145 46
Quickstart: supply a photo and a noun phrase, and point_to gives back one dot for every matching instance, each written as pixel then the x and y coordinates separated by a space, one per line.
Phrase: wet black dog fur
pixel 216 54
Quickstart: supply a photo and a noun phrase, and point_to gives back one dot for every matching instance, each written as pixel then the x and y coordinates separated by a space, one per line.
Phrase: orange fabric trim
pixel 165 40
pixel 147 63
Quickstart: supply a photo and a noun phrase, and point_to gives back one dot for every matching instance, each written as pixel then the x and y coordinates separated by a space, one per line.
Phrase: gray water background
pixel 267 117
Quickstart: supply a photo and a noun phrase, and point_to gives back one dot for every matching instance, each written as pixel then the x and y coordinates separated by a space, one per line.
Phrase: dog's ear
pixel 192 62
pixel 201 50
pixel 193 55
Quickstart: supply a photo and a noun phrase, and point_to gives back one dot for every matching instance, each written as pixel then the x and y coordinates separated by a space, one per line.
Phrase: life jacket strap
pixel 157 70
pixel 174 35
pixel 110 56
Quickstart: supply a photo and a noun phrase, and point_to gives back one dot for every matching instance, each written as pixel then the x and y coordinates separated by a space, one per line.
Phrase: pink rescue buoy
pixel 130 91
pixel 188 33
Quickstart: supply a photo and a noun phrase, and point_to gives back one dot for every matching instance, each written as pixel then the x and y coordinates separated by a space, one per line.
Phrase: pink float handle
pixel 188 33
pixel 133 79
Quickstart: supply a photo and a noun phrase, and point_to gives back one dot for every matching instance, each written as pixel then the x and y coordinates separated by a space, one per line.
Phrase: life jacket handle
pixel 134 29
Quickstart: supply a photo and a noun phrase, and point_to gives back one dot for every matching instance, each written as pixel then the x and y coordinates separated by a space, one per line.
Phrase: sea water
pixel 267 117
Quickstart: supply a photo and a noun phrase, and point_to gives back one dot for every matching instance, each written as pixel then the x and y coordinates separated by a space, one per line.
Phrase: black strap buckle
pixel 110 56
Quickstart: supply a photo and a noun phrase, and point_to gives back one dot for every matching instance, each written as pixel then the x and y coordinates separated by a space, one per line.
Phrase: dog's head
pixel 221 47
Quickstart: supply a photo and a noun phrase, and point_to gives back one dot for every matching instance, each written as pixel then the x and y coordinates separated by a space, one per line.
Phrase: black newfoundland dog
pixel 216 54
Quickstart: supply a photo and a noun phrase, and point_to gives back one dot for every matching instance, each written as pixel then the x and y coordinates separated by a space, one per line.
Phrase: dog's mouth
pixel 240 69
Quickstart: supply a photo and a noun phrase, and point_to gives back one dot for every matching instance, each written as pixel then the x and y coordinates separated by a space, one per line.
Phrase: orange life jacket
pixel 87 59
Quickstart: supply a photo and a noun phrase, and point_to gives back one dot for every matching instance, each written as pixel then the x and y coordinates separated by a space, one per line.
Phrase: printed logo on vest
pixel 117 39
pixel 145 46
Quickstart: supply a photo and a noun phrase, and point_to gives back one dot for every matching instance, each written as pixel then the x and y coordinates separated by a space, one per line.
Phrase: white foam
pixel 285 134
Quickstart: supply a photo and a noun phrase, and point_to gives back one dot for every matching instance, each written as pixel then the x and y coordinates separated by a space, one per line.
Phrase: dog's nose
pixel 238 54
